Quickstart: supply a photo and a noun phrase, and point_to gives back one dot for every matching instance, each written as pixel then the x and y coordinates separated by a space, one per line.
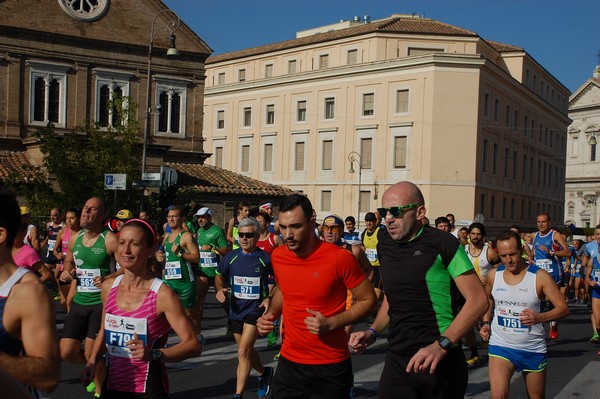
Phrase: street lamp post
pixel 355 157
pixel 170 26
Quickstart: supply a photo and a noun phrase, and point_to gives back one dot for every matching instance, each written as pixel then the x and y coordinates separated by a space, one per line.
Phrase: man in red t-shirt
pixel 312 278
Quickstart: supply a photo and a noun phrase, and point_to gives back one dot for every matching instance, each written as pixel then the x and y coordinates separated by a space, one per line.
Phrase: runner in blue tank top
pixel 548 244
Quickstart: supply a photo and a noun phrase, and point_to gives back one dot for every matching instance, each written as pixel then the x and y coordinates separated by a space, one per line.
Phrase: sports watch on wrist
pixel 156 355
pixel 444 342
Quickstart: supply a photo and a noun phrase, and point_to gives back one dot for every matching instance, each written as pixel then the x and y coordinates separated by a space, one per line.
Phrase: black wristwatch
pixel 444 342
pixel 156 355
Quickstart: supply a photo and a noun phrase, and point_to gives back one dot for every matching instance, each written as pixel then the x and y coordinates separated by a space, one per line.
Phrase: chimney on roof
pixel 366 19
pixel 356 18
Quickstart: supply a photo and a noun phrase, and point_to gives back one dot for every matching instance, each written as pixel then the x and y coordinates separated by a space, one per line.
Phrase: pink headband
pixel 142 221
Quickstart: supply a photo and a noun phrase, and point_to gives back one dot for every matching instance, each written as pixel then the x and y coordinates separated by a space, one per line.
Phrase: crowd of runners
pixel 128 283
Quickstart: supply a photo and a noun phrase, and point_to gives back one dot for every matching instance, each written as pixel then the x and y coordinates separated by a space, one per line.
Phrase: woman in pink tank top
pixel 70 229
pixel 139 310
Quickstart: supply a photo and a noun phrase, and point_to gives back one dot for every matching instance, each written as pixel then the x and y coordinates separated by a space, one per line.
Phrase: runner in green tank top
pixel 90 252
pixel 91 263
pixel 179 251
pixel 212 244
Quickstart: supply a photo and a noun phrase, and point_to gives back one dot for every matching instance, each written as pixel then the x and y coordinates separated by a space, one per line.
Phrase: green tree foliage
pixel 77 161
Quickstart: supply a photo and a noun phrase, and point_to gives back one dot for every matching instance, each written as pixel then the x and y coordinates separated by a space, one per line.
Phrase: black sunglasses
pixel 396 211
pixel 246 235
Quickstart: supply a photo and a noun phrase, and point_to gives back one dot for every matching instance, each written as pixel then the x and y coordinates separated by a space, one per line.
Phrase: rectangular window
pixel 247 116
pixel 219 157
pixel 507 117
pixel 329 108
pixel 486 105
pixel 242 75
pixel 524 169
pixel 495 159
pixel 401 101
pixel 522 210
pixel 327 155
pixel 270 116
pixel 110 98
pixel 366 151
pixel 268 158
pixel 324 61
pixel 301 115
pixel 496 110
pixel 400 152
pixel 352 57
pixel 512 209
pixel 292 66
pixel 326 201
pixel 505 162
pixel 268 70
pixel 170 112
pixel 221 79
pixel 48 97
pixel 245 161
pixel 493 207
pixel 220 119
pixel 516 120
pixel 593 152
pixel 531 170
pixel 368 104
pixel 504 205
pixel 515 168
pixel 299 156
pixel 365 201
pixel 525 125
pixel 482 204
pixel 484 167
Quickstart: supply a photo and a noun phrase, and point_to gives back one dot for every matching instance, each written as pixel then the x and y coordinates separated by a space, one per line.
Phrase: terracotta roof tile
pixel 502 47
pixel 210 179
pixel 15 162
pixel 395 24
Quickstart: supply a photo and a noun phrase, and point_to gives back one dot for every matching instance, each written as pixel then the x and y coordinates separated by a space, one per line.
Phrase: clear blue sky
pixel 563 36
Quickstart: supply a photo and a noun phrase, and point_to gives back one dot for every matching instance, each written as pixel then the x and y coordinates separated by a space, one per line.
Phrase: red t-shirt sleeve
pixel 349 270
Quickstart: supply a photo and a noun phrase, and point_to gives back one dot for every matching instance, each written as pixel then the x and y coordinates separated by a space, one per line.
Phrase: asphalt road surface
pixel 573 365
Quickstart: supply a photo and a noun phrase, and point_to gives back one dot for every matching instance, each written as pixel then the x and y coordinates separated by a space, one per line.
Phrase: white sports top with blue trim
pixel 510 301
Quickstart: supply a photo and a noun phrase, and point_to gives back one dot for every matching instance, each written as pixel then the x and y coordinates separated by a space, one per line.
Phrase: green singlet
pixel 90 262
pixel 209 260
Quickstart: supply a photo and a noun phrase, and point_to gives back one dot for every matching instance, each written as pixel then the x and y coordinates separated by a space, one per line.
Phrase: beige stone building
pixel 62 61
pixel 583 159
pixel 479 125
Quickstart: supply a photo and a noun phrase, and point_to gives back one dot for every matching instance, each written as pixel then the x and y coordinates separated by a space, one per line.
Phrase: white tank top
pixel 510 301
pixel 480 262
